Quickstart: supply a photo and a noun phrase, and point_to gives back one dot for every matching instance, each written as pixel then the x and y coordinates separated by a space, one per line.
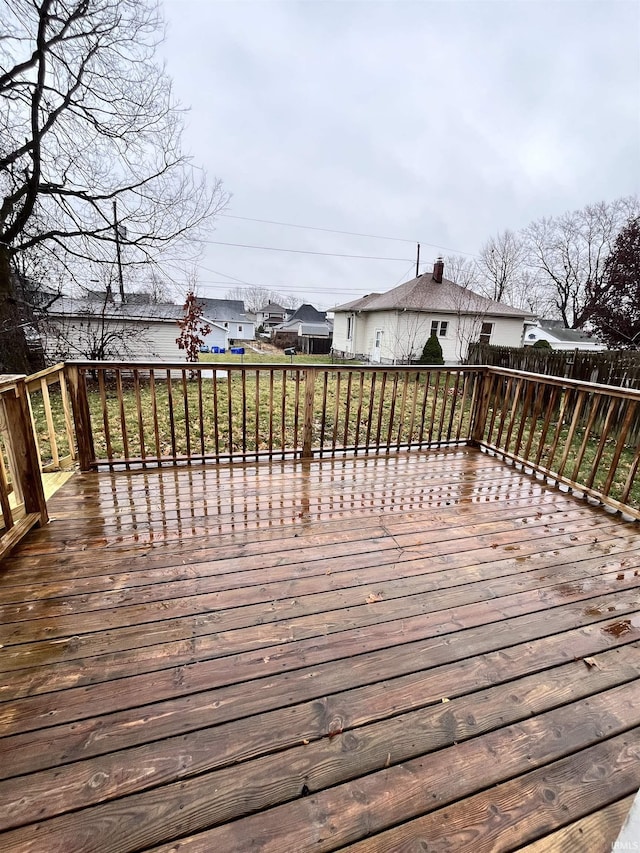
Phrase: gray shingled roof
pixel 223 309
pixel 425 294
pixel 118 310
pixel 308 314
pixel 568 335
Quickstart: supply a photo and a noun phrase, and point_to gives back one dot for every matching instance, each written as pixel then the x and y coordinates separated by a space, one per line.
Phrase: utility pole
pixel 417 260
pixel 116 228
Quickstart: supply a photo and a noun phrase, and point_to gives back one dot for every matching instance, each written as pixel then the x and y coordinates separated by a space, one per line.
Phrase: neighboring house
pixel 272 315
pixel 308 330
pixel 231 316
pixel 558 337
pixel 392 327
pixel 94 328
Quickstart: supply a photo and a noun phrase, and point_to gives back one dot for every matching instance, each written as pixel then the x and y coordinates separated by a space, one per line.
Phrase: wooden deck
pixel 415 652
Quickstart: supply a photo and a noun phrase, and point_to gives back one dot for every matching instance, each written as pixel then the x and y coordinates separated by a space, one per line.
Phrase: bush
pixel 431 352
pixel 541 344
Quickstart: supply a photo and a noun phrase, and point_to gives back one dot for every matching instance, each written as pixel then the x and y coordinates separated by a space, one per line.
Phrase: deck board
pixel 367 653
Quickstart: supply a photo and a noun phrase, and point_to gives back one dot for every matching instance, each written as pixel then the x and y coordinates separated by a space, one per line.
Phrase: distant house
pixel 99 328
pixel 272 315
pixel 308 330
pixel 558 337
pixel 230 315
pixel 392 327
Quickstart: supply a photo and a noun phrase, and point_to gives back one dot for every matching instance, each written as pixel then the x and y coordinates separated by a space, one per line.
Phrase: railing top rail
pixel 9 381
pixel 559 381
pixel 44 374
pixel 263 365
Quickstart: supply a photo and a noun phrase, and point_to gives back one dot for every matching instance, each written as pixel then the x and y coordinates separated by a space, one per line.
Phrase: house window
pixel 226 325
pixel 439 328
pixel 485 333
pixel 239 330
pixel 349 328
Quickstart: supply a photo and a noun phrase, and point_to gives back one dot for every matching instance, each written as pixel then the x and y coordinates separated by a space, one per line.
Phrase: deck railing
pixel 582 436
pixel 22 501
pixel 578 434
pixel 146 414
pixel 50 408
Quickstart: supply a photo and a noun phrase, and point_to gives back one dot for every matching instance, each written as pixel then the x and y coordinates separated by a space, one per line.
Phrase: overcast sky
pixel 443 122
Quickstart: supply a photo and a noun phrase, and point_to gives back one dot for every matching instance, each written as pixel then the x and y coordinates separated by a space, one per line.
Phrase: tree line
pixel 581 267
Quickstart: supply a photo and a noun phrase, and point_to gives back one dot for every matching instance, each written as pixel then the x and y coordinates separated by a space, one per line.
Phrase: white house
pixel 560 338
pixel 231 316
pixel 102 329
pixel 392 327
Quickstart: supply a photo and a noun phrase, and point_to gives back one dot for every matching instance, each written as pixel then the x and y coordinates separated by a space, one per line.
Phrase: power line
pixel 304 251
pixel 348 233
pixel 314 228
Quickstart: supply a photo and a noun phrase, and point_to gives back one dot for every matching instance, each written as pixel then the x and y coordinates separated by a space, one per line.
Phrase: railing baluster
pixel 336 413
pixel 172 423
pixel 243 390
pixel 553 397
pixel 216 425
pixel 105 415
pixel 434 404
pixel 201 414
pixel 271 398
pixel 187 419
pixel 230 413
pixel 454 406
pixel 123 417
pixel 356 441
pixel 631 407
pixel 383 386
pixel 154 413
pixel 283 414
pixel 257 411
pixel 347 410
pixel 46 401
pixel 512 412
pixel 323 410
pixel 425 400
pixel 414 405
pixel 586 438
pixel 392 411
pixel 136 391
pixel 526 404
pixel 372 395
pixel 296 419
pixel 443 408
pixel 572 429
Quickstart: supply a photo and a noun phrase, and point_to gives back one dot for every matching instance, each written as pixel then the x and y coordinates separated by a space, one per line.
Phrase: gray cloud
pixel 438 121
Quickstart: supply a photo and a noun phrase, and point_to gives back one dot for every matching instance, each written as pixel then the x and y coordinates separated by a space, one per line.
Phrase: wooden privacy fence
pixel 578 434
pixel 145 414
pixel 22 501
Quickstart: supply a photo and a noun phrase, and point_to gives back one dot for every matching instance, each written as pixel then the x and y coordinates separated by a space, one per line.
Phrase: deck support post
pixel 77 380
pixel 481 407
pixel 307 422
pixel 24 459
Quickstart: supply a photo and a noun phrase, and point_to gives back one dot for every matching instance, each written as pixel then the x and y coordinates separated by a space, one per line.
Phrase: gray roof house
pixel 560 338
pixel 230 314
pixel 308 330
pixel 392 327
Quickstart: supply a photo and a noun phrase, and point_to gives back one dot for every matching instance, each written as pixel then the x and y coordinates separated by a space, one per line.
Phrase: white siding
pixel 130 339
pixel 404 333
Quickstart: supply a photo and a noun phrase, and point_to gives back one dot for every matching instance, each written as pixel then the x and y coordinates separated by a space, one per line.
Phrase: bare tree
pixel 90 158
pixel 462 271
pixel 95 334
pixel 501 264
pixel 256 297
pixel 569 254
pixel 408 336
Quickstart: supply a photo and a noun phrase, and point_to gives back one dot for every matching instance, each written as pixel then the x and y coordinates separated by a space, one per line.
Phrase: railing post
pixel 481 407
pixel 25 459
pixel 81 416
pixel 307 422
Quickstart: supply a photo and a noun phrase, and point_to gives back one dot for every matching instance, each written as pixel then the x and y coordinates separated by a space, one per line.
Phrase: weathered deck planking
pixel 417 651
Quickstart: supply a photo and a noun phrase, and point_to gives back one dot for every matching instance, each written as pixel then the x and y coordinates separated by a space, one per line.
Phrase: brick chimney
pixel 438 270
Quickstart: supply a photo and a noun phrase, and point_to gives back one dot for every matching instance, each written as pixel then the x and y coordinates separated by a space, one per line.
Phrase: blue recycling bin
pixel 237 350
pixel 215 350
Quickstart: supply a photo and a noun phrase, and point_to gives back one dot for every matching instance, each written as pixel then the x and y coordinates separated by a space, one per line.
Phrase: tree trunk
pixel 14 352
